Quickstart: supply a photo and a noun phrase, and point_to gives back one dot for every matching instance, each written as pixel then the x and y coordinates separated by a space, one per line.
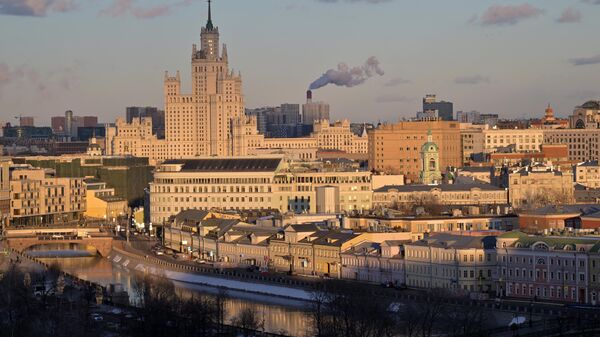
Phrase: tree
pixel 248 319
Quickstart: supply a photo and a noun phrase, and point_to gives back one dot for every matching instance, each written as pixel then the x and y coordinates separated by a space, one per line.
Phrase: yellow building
pixel 102 203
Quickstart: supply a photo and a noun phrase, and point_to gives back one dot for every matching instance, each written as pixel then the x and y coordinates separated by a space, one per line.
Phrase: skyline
pixel 96 69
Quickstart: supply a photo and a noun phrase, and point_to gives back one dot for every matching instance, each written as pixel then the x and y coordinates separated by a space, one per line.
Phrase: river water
pixel 278 314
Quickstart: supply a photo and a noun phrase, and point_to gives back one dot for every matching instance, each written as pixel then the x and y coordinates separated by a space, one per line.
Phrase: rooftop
pixel 580 209
pixel 443 240
pixel 442 187
pixel 591 244
pixel 227 165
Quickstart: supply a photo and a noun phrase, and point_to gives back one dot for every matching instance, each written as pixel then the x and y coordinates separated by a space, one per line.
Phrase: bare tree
pixel 249 320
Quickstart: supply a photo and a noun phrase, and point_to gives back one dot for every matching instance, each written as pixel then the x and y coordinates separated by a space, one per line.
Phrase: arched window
pixel 432 164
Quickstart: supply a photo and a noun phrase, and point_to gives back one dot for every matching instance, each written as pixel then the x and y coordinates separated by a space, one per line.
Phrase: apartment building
pixel 396 148
pixel 40 198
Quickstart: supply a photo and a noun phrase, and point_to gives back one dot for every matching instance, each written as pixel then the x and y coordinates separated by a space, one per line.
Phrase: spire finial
pixel 209 24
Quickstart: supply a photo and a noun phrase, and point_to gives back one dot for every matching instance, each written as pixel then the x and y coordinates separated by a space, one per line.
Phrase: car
pixel 159 252
pixel 97 317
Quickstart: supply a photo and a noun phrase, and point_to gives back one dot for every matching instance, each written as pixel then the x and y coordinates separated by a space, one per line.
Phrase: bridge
pixel 22 239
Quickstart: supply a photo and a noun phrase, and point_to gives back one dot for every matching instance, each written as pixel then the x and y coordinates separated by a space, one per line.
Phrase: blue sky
pixel 99 56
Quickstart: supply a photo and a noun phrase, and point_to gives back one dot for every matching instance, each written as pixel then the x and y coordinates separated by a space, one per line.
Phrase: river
pixel 278 314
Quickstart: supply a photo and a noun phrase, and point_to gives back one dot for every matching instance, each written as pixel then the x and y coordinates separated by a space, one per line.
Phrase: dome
pixel 592 105
pixel 429 147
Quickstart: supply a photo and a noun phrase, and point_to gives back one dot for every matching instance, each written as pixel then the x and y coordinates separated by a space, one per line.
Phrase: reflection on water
pixel 278 314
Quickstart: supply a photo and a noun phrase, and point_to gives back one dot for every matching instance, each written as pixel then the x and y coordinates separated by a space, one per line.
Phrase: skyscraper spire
pixel 209 24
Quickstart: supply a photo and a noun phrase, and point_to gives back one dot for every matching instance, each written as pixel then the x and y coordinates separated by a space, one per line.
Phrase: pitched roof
pixel 191 215
pixel 228 164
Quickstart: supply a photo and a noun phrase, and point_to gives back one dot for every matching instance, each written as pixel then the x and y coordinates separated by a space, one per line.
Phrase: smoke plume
pixel 345 76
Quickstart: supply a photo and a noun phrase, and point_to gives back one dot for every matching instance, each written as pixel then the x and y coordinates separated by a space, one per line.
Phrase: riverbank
pixel 229 280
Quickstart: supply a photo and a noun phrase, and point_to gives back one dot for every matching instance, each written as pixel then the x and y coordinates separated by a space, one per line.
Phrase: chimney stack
pixel 309 96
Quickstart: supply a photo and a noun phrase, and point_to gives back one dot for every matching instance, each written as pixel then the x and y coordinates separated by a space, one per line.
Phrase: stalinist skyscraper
pixel 200 123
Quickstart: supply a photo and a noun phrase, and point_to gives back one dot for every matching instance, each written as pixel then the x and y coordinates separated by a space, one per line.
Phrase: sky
pixel 96 57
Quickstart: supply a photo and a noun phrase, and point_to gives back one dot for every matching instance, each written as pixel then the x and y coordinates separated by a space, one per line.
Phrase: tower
pixel 430 161
pixel 549 114
pixel 200 123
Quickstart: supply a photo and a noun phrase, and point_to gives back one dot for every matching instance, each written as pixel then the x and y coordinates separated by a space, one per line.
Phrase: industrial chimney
pixel 308 96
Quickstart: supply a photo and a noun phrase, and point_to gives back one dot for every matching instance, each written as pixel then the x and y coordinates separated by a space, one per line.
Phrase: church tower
pixel 200 123
pixel 430 161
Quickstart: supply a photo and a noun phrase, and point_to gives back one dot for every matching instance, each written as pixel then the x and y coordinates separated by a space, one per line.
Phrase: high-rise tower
pixel 200 123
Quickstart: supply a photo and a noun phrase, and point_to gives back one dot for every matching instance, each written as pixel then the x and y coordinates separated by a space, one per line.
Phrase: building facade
pixel 535 186
pixel 459 263
pixel 545 268
pixel 396 148
pixel 250 183
pixel 445 194
pixel 37 198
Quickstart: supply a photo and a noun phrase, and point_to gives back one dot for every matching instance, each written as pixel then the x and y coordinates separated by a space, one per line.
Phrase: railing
pixel 216 271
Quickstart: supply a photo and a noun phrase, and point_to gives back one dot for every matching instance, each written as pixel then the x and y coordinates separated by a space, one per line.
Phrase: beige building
pixel 199 123
pixel 472 140
pixel 196 124
pixel 251 183
pixel 210 121
pixel 219 237
pixel 417 225
pixel 529 140
pixel 588 174
pixel 396 148
pixel 380 263
pixel 461 264
pixel 307 249
pixel 445 194
pixel 536 186
pixel 586 116
pixel 313 111
pixel 39 198
pixel 136 139
pixel 102 203
pixel 583 144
